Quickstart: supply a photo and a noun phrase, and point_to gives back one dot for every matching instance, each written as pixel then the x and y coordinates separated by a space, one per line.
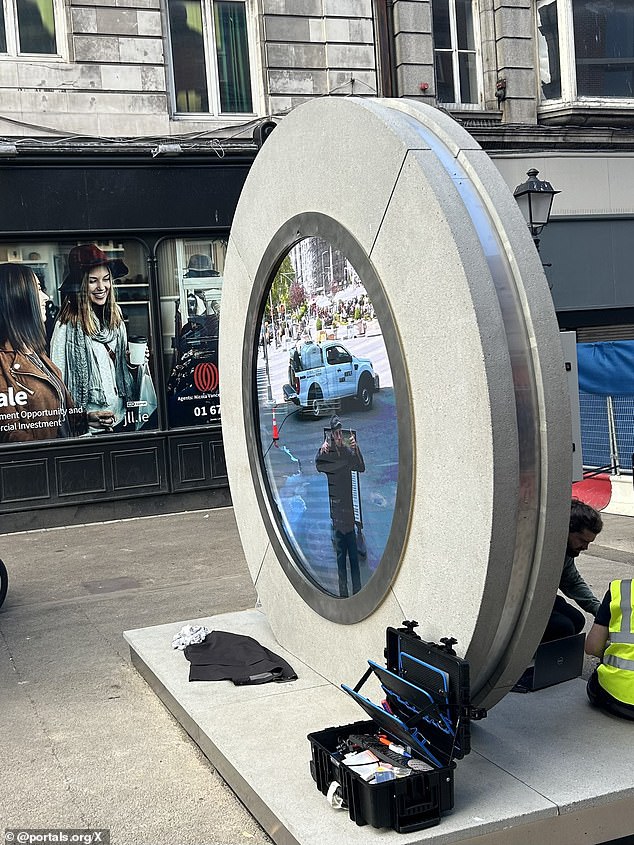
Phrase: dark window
pixel 36 25
pixel 604 47
pixel 188 55
pixel 454 51
pixel 3 32
pixel 210 56
pixel 232 53
pixel 27 27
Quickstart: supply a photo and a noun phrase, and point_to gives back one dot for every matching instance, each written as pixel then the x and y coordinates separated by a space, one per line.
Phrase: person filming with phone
pixel 338 460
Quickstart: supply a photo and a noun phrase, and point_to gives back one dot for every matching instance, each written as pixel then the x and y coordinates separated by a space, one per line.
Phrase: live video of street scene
pixel 327 417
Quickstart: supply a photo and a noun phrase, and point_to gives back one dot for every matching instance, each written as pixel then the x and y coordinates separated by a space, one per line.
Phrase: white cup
pixel 137 347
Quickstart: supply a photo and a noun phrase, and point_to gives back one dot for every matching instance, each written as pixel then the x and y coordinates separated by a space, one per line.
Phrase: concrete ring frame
pixel 477 546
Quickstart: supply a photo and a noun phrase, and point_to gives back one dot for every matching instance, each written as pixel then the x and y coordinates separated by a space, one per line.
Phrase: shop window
pixel 93 329
pixel 455 55
pixel 29 27
pixel 209 49
pixel 586 49
pixel 190 286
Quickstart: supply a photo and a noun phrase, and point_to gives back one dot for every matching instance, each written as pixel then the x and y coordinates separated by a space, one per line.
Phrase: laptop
pixel 554 662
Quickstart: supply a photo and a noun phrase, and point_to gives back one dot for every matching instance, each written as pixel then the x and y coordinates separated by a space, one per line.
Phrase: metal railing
pixel 607 432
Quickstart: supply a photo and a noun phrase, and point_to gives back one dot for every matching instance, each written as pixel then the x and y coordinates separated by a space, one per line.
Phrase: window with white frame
pixel 29 27
pixel 586 49
pixel 455 54
pixel 209 49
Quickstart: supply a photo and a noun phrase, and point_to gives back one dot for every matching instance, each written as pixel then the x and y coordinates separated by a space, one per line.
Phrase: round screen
pixel 327 416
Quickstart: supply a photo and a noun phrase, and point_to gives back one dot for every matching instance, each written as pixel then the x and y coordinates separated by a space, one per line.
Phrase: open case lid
pixel 427 692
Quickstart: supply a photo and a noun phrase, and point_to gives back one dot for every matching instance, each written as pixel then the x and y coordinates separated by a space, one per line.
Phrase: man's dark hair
pixel 584 517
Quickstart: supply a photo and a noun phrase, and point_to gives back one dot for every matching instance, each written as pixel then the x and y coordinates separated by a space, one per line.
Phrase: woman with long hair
pixel 34 401
pixel 89 342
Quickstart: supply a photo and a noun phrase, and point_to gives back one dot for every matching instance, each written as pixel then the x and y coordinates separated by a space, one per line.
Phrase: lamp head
pixel 535 199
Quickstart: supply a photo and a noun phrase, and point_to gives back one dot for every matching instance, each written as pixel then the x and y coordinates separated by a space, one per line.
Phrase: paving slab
pixel 85 742
pixel 539 770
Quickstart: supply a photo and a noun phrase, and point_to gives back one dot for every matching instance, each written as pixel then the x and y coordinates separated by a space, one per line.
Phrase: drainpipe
pixel 382 12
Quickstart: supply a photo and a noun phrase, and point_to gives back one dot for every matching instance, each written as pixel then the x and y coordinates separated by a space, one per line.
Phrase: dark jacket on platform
pixel 223 655
pixel 48 413
pixel 574 587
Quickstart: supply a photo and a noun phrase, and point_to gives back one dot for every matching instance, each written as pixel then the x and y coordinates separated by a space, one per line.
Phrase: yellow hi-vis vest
pixel 616 672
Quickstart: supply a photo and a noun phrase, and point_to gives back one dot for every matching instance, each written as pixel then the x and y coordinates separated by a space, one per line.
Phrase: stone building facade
pixel 111 73
pixel 111 68
pixel 133 123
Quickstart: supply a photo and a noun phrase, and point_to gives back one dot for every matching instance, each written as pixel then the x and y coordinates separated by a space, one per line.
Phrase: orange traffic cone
pixel 276 434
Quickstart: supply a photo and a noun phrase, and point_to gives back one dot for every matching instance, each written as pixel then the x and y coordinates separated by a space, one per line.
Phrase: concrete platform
pixel 545 767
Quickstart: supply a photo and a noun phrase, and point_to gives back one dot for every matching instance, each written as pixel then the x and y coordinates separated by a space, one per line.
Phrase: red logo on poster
pixel 206 377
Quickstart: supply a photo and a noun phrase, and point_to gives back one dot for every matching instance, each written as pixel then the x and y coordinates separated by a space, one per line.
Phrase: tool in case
pixel 396 770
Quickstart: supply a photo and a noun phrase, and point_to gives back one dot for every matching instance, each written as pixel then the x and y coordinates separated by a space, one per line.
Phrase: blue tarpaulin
pixel 606 368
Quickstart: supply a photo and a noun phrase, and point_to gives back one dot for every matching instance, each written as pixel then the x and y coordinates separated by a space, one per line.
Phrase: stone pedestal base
pixel 542 767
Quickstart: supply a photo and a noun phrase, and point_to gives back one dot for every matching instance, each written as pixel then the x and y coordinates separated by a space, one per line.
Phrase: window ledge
pixel 33 58
pixel 199 117
pixel 588 111
pixel 469 108
pixel 473 117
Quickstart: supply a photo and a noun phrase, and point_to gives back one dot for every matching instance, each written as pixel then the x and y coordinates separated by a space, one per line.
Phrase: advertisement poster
pixel 193 383
pixel 75 341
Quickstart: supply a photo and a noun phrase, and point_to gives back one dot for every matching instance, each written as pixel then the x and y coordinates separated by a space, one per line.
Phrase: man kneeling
pixel 565 620
pixel 611 685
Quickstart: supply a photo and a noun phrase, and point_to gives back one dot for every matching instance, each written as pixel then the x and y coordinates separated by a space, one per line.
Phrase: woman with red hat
pixel 89 342
pixel 34 401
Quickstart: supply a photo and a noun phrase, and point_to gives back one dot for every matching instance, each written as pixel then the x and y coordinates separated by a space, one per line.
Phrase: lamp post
pixel 535 199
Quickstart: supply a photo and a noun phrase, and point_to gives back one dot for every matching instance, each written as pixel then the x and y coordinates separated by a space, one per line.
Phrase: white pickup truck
pixel 321 374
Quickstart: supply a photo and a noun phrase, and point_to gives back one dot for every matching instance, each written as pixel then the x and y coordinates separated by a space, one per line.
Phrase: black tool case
pixel 427 710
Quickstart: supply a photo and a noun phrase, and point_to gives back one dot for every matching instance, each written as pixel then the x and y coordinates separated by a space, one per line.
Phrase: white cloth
pixel 189 635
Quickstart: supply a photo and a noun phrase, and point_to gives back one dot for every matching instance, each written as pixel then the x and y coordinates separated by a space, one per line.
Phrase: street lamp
pixel 535 199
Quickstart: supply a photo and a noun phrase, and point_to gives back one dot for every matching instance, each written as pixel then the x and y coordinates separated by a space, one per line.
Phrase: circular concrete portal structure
pixel 480 483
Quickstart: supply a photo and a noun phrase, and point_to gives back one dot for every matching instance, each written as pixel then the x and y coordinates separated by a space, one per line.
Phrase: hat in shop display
pixel 83 258
pixel 200 265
